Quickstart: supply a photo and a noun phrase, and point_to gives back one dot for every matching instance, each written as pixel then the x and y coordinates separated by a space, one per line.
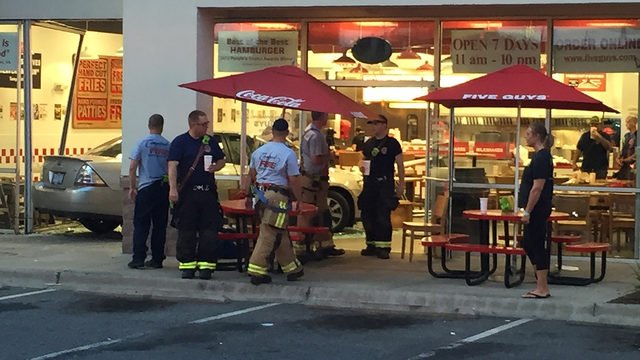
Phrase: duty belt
pixel 277 188
pixel 315 177
pixel 379 178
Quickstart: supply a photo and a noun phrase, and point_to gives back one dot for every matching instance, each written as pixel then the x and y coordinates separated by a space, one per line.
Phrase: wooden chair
pixel 577 206
pixel 416 230
pixel 621 216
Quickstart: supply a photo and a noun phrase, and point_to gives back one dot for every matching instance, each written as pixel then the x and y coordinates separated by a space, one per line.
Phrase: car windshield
pixel 112 149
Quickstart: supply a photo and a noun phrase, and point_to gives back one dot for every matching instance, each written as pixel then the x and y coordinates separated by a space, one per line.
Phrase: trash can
pixel 467 199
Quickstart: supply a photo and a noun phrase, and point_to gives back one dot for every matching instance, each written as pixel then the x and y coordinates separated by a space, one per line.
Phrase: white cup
pixel 366 165
pixel 592 178
pixel 207 162
pixel 484 203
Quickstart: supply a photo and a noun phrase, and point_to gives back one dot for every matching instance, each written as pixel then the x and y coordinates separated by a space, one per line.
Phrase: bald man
pixel 627 156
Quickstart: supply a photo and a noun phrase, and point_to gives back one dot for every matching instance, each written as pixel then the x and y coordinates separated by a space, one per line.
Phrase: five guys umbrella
pixel 518 86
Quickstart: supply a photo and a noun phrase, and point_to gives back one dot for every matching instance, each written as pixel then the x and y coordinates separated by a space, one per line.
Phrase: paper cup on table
pixel 366 166
pixel 484 203
pixel 207 162
pixel 592 178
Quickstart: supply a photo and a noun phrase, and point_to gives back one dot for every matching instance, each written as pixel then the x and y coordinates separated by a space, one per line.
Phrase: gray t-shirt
pixel 313 144
pixel 152 152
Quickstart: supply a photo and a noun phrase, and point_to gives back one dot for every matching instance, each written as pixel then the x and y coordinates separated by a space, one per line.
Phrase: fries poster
pixel 97 97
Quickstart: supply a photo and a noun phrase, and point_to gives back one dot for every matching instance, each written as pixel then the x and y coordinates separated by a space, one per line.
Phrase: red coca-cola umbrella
pixel 284 87
pixel 518 86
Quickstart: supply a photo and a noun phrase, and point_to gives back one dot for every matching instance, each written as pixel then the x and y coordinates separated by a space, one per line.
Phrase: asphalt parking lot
pixel 53 323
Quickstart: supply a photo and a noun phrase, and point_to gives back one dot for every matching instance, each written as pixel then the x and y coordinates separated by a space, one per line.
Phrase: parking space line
pixel 233 313
pixel 473 338
pixel 77 349
pixel 9 297
pixel 115 341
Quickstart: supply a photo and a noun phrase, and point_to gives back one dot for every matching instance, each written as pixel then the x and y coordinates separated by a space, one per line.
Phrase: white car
pixel 87 187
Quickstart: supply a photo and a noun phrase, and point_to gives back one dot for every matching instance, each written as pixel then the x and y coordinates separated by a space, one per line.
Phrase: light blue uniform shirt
pixel 274 162
pixel 152 153
pixel 313 144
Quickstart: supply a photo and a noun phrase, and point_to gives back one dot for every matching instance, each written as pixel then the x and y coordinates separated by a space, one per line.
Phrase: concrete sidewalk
pixel 86 263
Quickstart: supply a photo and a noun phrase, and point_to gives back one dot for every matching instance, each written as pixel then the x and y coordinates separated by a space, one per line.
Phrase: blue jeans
pixel 152 207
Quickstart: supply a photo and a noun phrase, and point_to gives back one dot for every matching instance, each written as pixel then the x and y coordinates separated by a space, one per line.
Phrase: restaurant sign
pixel 497 149
pixel 584 50
pixel 478 51
pixel 587 82
pixel 8 51
pixel 97 97
pixel 240 51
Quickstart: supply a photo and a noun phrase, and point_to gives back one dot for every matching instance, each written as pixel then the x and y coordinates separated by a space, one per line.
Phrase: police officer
pixel 378 198
pixel 315 183
pixel 193 191
pixel 274 174
pixel 149 161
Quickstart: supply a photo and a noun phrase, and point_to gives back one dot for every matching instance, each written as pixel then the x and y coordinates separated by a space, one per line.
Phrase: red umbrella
pixel 515 86
pixel 284 87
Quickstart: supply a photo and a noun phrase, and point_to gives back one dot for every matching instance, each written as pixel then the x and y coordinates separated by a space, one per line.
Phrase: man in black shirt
pixel 358 141
pixel 379 195
pixel 593 146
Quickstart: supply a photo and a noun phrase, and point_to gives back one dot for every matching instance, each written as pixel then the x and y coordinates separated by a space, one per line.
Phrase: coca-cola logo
pixel 284 101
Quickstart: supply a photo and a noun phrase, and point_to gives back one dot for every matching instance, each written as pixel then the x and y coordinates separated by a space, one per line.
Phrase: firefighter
pixel 274 175
pixel 378 197
pixel 192 189
pixel 315 183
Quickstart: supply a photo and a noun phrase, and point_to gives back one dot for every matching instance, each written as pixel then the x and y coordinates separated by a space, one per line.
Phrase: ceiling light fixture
pixel 388 64
pixel 425 67
pixel 345 61
pixel 409 54
pixel 359 70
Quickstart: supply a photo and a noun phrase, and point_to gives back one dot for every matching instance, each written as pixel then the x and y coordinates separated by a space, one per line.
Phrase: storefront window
pixel 373 50
pixel 485 138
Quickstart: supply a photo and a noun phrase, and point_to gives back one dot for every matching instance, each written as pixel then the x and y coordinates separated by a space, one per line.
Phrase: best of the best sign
pixel 479 51
pixel 580 50
pixel 240 51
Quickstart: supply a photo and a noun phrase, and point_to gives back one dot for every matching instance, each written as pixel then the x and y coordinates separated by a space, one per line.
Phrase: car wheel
pixel 99 226
pixel 339 209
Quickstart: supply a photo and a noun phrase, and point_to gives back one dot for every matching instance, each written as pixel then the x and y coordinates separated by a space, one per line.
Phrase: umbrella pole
pixel 452 120
pixel 244 169
pixel 517 172
pixel 427 170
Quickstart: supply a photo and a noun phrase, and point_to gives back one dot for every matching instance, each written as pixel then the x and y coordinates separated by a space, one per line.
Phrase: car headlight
pixel 88 177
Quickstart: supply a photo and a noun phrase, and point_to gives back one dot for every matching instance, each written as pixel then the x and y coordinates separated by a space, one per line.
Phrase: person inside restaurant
pixel 357 143
pixel 627 156
pixel 594 146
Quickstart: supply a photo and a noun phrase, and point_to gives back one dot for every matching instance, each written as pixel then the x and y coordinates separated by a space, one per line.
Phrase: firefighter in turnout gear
pixel 315 183
pixel 378 197
pixel 274 174
pixel 192 189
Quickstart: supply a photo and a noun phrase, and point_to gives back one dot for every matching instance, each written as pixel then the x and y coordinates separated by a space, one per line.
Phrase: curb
pixel 323 296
